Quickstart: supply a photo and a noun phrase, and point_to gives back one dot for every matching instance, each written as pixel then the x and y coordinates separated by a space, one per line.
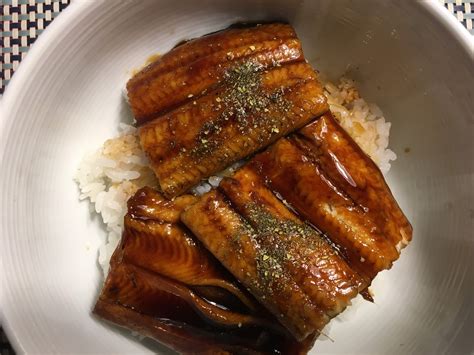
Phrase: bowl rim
pixel 54 31
pixel 433 7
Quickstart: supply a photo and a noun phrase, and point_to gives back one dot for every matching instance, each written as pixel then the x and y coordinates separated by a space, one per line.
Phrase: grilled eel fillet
pixel 328 180
pixel 286 264
pixel 237 92
pixel 200 64
pixel 163 284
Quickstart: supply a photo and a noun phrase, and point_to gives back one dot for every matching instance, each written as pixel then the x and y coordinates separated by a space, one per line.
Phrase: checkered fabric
pixel 21 22
pixel 463 10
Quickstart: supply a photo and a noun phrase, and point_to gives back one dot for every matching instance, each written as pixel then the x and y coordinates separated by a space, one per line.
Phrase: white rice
pixel 108 177
pixel 214 181
pixel 112 174
pixel 363 121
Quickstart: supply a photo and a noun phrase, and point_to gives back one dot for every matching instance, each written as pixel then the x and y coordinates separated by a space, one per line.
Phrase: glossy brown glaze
pixel 151 229
pixel 217 99
pixel 199 64
pixel 149 204
pixel 232 240
pixel 299 250
pixel 170 334
pixel 352 171
pixel 137 288
pixel 287 265
pixel 164 284
pixel 211 132
pixel 328 180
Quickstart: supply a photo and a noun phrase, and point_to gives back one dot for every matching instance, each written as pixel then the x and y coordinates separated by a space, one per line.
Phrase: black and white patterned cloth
pixel 22 21
pixel 463 10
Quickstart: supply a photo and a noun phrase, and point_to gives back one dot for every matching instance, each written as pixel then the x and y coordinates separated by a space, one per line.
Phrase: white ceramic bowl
pixel 411 57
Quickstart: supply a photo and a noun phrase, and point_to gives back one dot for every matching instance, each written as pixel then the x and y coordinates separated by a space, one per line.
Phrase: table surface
pixel 22 21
